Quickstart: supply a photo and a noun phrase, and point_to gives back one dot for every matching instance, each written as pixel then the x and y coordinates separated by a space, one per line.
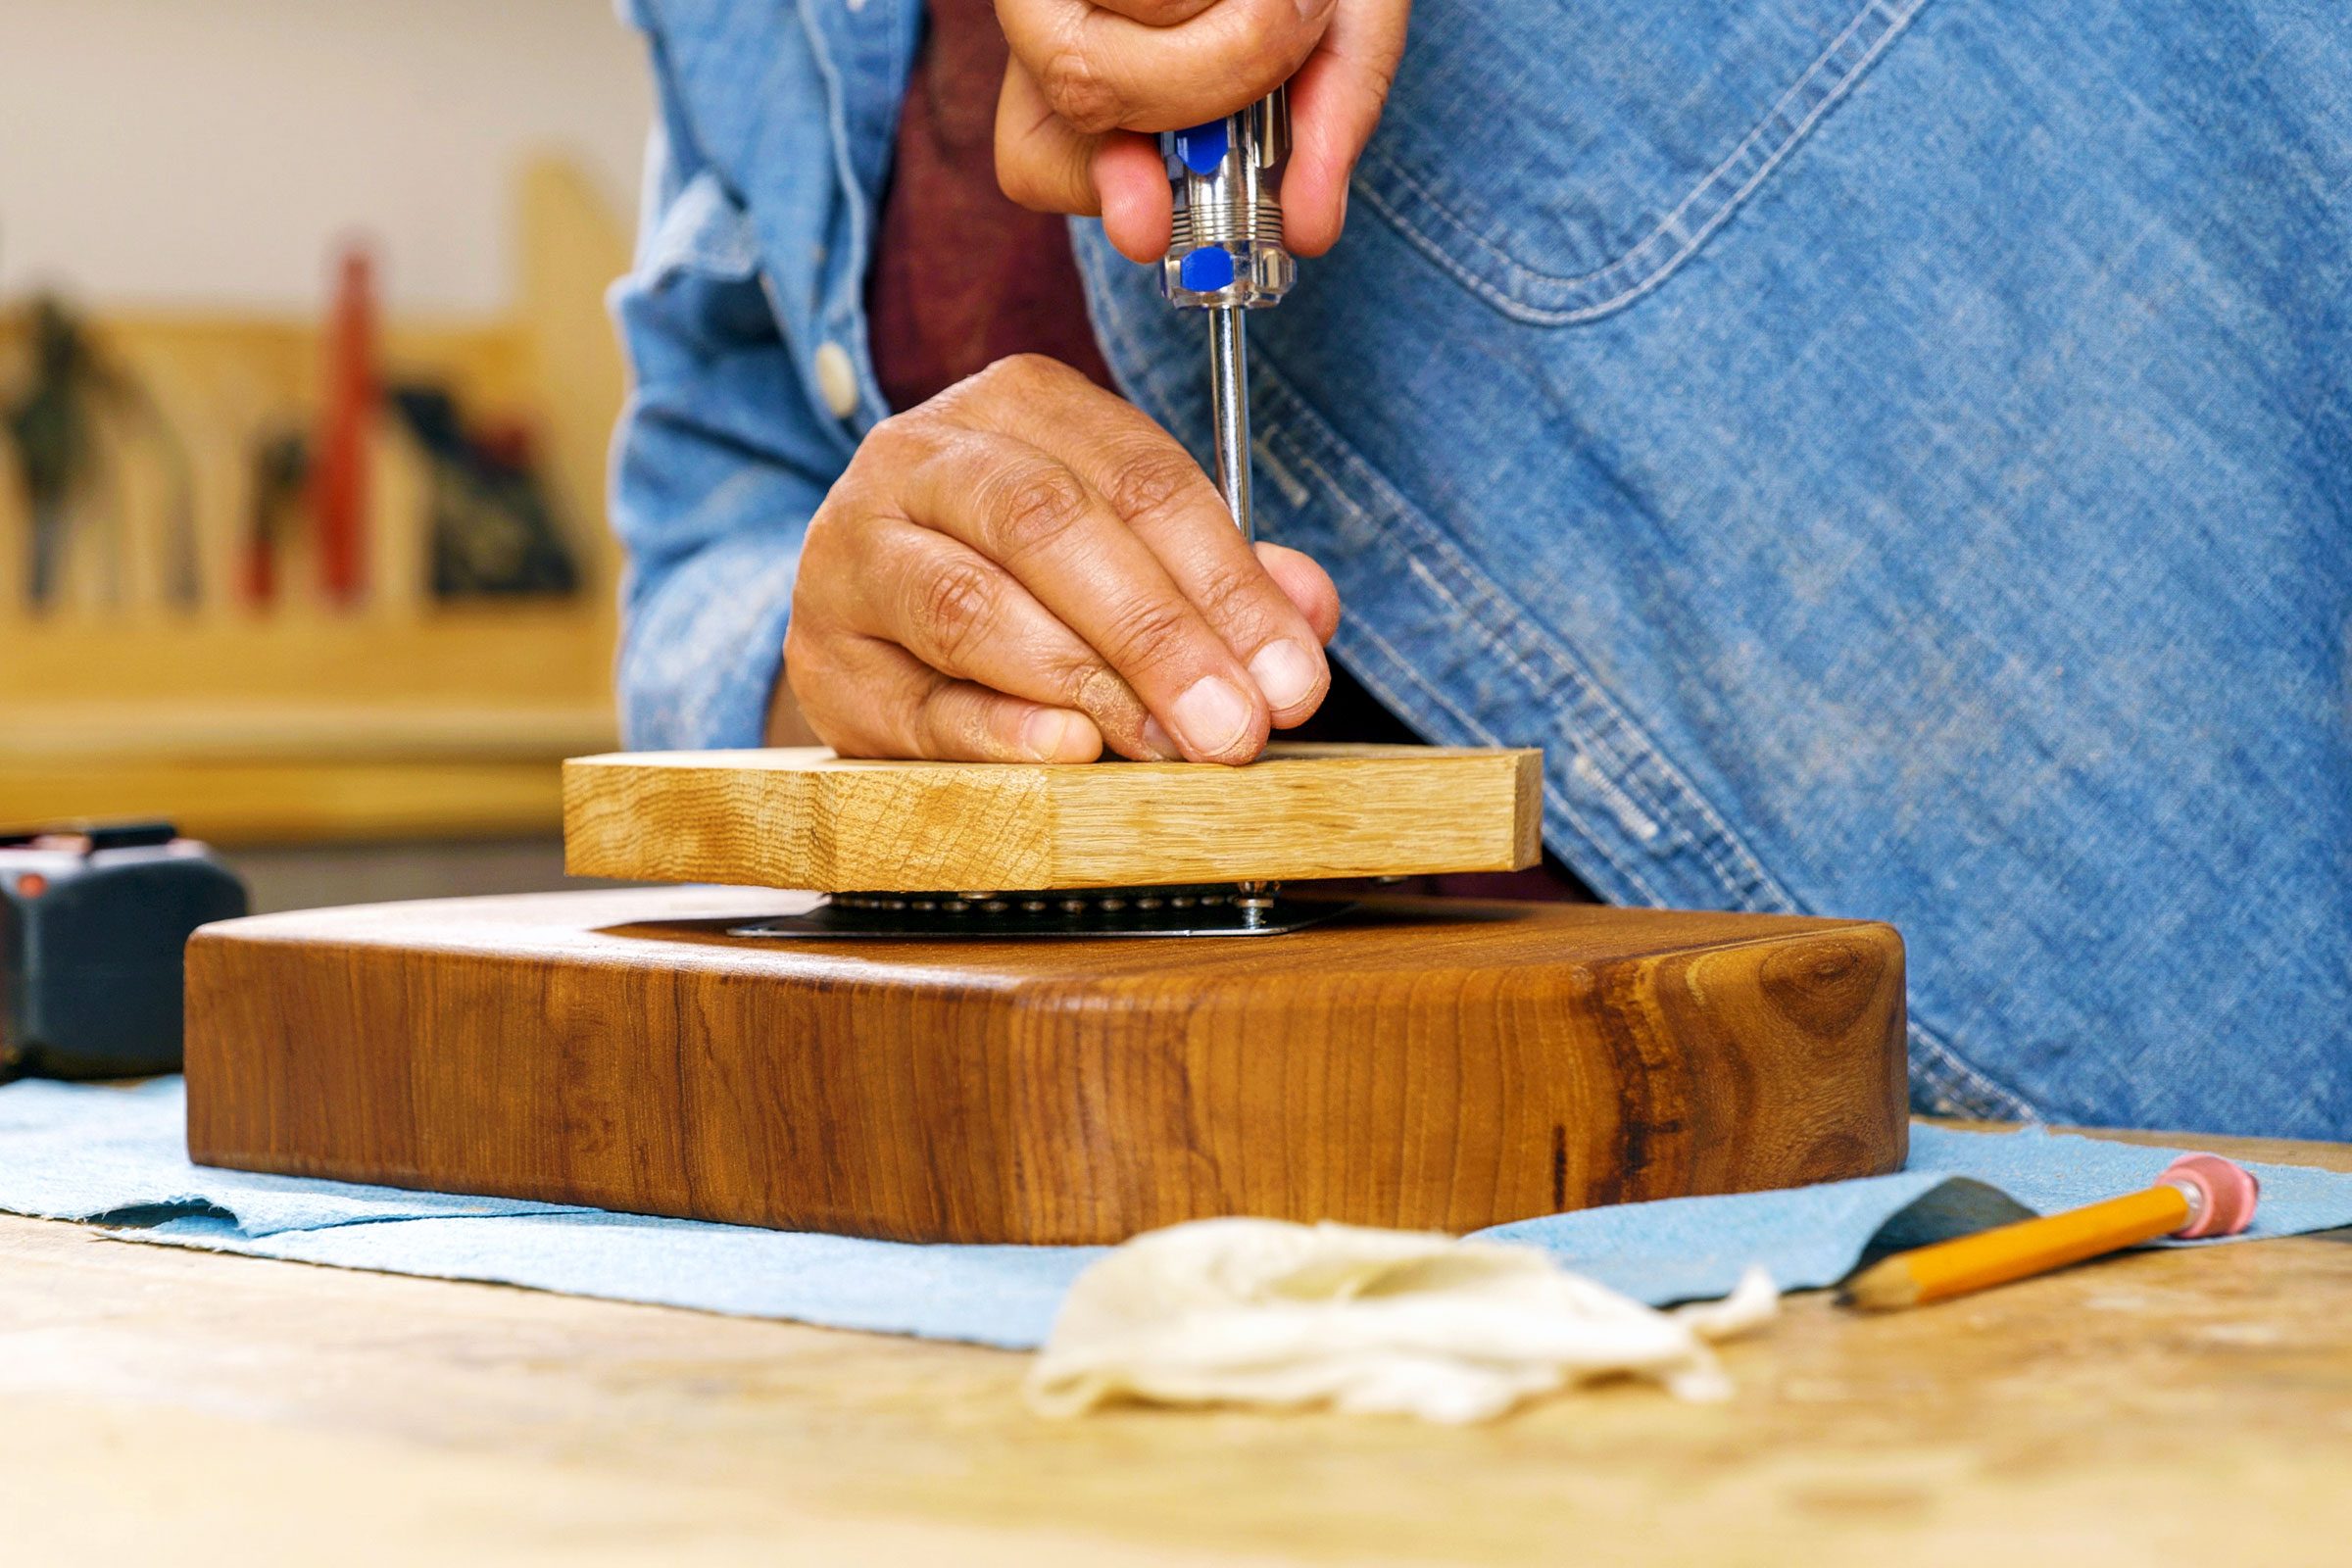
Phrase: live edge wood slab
pixel 805 818
pixel 1423 1064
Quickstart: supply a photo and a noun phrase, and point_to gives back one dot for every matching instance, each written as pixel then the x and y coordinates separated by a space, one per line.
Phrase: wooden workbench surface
pixel 165 1405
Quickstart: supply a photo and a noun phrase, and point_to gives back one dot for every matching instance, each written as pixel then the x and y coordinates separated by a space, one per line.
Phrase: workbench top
pixel 161 1404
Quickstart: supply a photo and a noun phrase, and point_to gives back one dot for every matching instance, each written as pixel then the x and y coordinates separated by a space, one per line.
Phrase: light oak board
pixel 805 818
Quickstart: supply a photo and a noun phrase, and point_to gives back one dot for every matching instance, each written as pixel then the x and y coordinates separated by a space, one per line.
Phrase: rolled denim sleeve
pixel 717 467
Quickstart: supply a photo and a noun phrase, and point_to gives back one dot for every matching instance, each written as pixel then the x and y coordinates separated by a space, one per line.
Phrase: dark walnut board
pixel 1429 1064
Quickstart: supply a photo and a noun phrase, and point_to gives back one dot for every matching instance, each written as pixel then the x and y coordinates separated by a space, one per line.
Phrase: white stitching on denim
pixel 1558 800
pixel 1745 875
pixel 1608 731
pixel 1629 817
pixel 1667 225
pixel 1635 263
pixel 1967 1083
pixel 1582 692
pixel 1293 491
pixel 1807 83
pixel 1636 822
pixel 1613 733
pixel 1571 817
pixel 1473 617
pixel 1614 794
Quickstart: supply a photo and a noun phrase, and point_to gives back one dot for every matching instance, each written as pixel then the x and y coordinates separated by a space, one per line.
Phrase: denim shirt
pixel 1892 457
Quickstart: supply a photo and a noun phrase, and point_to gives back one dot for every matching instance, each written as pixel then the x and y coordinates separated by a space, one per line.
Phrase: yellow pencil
pixel 2198 1195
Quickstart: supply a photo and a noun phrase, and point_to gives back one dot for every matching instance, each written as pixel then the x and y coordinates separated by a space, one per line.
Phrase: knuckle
pixel 1274 28
pixel 1152 481
pixel 883 456
pixel 1150 632
pixel 934 420
pixel 800 651
pixel 840 538
pixel 1008 380
pixel 808 692
pixel 904 439
pixel 952 604
pixel 814 692
pixel 1016 375
pixel 1038 169
pixel 1263 41
pixel 893 437
pixel 1035 507
pixel 810 670
pixel 1228 597
pixel 817 545
pixel 823 576
pixel 967 731
pixel 1076 90
pixel 853 740
pixel 838 499
pixel 944 726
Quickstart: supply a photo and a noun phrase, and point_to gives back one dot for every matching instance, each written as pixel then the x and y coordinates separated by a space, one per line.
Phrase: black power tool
pixel 94 921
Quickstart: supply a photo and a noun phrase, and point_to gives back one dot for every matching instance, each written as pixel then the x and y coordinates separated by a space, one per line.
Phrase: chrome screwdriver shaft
pixel 1229 398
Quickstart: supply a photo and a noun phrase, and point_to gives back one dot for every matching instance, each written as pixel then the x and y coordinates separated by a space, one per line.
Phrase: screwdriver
pixel 1226 256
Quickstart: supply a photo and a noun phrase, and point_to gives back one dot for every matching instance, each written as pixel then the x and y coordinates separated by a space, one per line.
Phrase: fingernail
pixel 1046 734
pixel 1286 672
pixel 1213 717
pixel 1160 743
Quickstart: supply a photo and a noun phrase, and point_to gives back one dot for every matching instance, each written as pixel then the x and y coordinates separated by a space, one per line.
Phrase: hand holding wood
pixel 1027 569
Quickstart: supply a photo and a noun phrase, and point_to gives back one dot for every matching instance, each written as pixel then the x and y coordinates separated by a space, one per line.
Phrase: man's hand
pixel 1090 78
pixel 1026 568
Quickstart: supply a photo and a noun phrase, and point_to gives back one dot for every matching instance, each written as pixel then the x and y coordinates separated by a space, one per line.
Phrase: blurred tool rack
pixel 396 714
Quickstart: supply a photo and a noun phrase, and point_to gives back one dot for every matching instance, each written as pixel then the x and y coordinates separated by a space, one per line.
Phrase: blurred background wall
pixel 210 152
pixel 306 386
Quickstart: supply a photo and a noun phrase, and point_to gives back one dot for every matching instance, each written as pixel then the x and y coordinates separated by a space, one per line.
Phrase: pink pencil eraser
pixel 2229 1190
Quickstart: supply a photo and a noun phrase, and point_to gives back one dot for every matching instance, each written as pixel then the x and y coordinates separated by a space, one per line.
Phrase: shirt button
pixel 837 379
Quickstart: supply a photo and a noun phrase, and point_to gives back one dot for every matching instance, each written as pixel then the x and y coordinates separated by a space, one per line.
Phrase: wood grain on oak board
pixel 1423 1064
pixel 805 818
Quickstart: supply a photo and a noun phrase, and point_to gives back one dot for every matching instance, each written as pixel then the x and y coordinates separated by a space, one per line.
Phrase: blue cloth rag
pixel 118 1158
